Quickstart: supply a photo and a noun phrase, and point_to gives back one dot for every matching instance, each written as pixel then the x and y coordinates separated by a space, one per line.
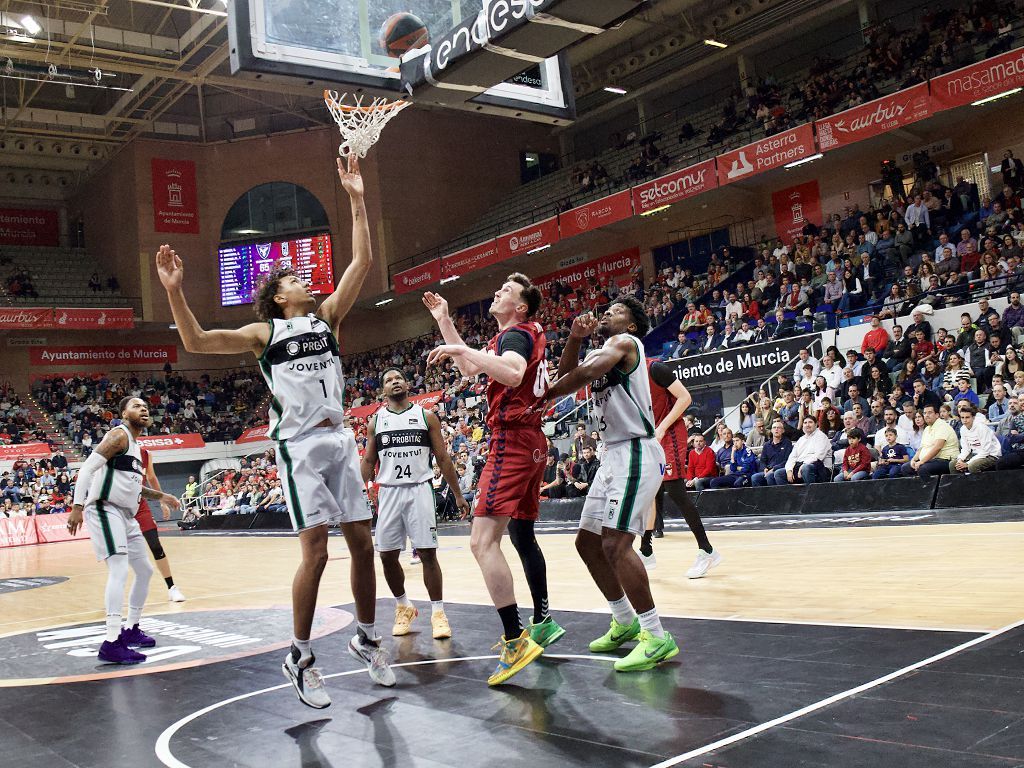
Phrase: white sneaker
pixel 705 562
pixel 415 558
pixel 174 595
pixel 650 561
pixel 307 682
pixel 375 658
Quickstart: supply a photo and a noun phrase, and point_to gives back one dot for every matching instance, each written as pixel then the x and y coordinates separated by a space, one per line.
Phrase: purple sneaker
pixel 118 653
pixel 136 638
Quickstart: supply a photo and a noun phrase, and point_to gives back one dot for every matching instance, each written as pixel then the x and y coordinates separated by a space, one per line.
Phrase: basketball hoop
pixel 361 125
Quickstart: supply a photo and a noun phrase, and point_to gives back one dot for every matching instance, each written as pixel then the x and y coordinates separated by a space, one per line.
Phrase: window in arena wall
pixel 973 169
pixel 276 208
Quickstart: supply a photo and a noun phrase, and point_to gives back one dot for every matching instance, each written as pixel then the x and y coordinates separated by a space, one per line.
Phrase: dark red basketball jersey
pixel 662 402
pixel 520 406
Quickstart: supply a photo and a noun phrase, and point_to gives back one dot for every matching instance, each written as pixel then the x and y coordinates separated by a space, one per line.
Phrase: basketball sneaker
pixel 442 630
pixel 546 633
pixel 648 653
pixel 117 652
pixel 307 681
pixel 515 654
pixel 616 635
pixel 174 595
pixel 705 562
pixel 650 561
pixel 374 657
pixel 136 638
pixel 415 560
pixel 404 614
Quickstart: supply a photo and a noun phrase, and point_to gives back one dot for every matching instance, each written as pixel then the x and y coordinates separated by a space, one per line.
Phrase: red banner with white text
pixel 794 207
pixel 172 442
pixel 978 81
pixel 468 259
pixel 611 267
pixel 139 354
pixel 427 400
pixel 528 238
pixel 674 187
pixel 175 199
pixel 24 450
pixel 83 319
pixel 874 118
pixel 18 531
pixel 597 214
pixel 767 154
pixel 417 277
pixel 23 226
pixel 254 434
pixel 28 318
pixel 51 528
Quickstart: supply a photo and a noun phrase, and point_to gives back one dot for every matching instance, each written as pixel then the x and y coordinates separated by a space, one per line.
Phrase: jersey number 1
pixel 323 386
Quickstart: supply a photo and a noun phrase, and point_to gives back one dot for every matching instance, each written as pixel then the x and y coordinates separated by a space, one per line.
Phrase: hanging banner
pixel 141 354
pixel 674 187
pixel 50 528
pixel 427 400
pixel 175 200
pixel 23 226
pixel 254 434
pixel 13 318
pixel 119 317
pixel 172 442
pixel 615 265
pixel 874 118
pixel 417 277
pixel 794 207
pixel 475 257
pixel 18 531
pixel 764 155
pixel 528 238
pixel 742 363
pixel 25 451
pixel 597 214
pixel 978 81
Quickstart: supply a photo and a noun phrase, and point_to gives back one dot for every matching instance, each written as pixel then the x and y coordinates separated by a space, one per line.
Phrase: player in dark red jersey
pixel 144 517
pixel 670 400
pixel 508 491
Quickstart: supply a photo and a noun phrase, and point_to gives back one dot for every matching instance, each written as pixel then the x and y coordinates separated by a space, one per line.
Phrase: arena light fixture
pixel 653 211
pixel 803 161
pixel 382 302
pixel 539 248
pixel 616 90
pixel 998 96
pixel 715 43
pixel 31 25
pixel 450 279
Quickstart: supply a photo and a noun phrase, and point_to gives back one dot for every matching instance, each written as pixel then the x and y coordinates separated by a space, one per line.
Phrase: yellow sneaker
pixel 439 623
pixel 515 654
pixel 404 614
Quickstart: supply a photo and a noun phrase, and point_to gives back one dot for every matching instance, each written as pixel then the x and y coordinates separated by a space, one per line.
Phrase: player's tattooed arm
pixel 619 350
pixel 164 498
pixel 114 443
pixel 337 305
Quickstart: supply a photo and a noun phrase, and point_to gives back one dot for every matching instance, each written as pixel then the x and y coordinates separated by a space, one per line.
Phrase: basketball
pixel 402 32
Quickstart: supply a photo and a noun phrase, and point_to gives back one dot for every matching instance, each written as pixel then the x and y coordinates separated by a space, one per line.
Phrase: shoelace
pixel 313 678
pixel 379 658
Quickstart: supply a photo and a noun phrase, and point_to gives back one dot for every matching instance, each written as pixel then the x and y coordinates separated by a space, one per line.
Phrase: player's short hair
pixel 636 309
pixel 530 293
pixel 124 403
pixel 265 291
pixel 389 370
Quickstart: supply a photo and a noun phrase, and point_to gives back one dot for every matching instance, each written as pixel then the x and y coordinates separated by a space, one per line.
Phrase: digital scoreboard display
pixel 242 266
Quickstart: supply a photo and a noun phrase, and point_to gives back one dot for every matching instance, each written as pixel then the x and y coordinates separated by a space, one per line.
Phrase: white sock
pixel 436 606
pixel 622 611
pixel 368 630
pixel 402 601
pixel 113 627
pixel 652 623
pixel 134 614
pixel 305 652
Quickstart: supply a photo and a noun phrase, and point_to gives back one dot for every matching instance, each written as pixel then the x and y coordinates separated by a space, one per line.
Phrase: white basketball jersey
pixel 302 367
pixel 403 446
pixel 119 484
pixel 623 401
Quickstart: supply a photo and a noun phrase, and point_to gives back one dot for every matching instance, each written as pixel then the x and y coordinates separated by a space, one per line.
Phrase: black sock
pixel 646 548
pixel 520 532
pixel 510 621
pixel 169 581
pixel 676 490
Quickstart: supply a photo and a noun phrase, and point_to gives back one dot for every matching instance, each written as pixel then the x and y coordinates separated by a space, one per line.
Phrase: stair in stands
pixel 60 439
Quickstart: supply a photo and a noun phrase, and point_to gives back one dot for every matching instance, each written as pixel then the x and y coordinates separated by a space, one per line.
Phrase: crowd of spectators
pixel 19 284
pixel 16 423
pixel 37 487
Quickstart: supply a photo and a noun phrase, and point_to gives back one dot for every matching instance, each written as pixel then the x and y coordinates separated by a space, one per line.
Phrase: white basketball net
pixel 360 124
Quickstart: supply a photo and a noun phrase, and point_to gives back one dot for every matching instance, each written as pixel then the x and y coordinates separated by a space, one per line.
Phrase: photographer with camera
pixel 892 177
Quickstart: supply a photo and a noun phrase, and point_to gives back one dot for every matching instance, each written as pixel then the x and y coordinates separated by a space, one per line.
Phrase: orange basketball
pixel 402 32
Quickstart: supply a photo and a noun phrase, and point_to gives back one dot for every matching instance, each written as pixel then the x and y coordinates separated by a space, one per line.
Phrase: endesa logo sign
pixel 674 187
pixel 418 277
pixel 528 238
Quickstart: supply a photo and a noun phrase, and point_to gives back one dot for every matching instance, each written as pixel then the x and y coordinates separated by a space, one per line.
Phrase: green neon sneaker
pixel 649 652
pixel 616 636
pixel 548 632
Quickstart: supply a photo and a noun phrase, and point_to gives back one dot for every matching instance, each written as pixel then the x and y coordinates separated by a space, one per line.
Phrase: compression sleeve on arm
pixel 662 375
pixel 86 472
pixel 518 341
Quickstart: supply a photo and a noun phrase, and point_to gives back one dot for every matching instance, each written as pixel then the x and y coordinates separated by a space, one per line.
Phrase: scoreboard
pixel 243 266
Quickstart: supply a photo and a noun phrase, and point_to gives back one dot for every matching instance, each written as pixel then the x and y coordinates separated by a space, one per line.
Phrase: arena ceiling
pixel 93 76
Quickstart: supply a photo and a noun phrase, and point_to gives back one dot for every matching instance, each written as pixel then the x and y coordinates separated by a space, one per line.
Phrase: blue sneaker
pixel 118 653
pixel 136 638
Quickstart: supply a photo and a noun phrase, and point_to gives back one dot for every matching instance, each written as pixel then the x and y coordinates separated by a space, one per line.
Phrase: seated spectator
pixel 773 458
pixel 966 394
pixel 94 283
pixel 583 473
pixel 939 447
pixel 739 467
pixel 979 447
pixel 553 484
pixel 892 455
pixel 856 458
pixel 700 464
pixel 811 458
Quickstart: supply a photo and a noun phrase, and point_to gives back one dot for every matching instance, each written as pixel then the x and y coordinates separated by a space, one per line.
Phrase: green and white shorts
pixel 626 484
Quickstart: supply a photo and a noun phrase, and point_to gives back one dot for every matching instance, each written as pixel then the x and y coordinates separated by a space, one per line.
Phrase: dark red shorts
pixel 509 484
pixel 144 517
pixel 674 445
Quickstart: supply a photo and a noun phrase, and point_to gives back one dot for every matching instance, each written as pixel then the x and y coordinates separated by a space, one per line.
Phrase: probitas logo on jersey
pixel 292 347
pixel 385 439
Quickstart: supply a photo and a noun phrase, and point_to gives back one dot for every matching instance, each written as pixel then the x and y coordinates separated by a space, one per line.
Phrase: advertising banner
pixel 475 257
pixel 757 361
pixel 417 277
pixel 528 238
pixel 764 155
pixel 254 434
pixel 30 318
pixel 597 214
pixel 50 528
pixel 18 531
pixel 142 354
pixel 794 207
pixel 23 226
pixel 172 442
pixel 175 200
pixel 674 187
pixel 24 450
pixel 874 118
pixel 614 265
pixel 978 81
pixel 427 400
pixel 119 317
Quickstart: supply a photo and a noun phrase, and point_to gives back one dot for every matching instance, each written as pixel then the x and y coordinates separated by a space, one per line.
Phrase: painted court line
pixel 743 735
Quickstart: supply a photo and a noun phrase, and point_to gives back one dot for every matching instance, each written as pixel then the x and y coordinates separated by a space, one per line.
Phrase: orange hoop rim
pixel 387 105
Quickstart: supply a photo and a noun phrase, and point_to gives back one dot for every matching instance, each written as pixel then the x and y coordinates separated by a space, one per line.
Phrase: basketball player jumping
pixel 107 494
pixel 402 436
pixel 147 525
pixel 618 501
pixel 508 493
pixel 317 459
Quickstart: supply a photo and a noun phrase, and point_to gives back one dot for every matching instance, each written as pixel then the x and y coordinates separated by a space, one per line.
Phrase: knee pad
pixel 158 552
